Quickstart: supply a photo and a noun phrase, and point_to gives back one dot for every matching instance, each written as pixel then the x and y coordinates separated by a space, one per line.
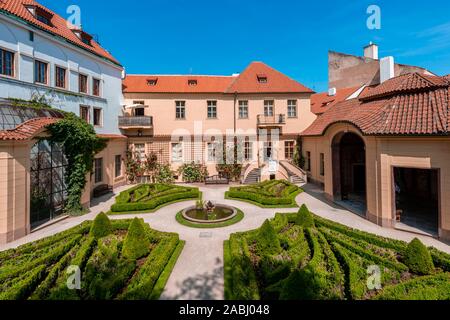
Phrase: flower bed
pixel 150 197
pixel 38 270
pixel 268 194
pixel 328 261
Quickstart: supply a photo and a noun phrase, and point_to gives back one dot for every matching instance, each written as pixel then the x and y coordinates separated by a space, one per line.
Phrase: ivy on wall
pixel 81 144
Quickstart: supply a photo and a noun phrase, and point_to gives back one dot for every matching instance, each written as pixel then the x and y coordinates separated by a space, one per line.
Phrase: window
pixel 177 152
pixel 86 39
pixel 40 72
pixel 6 63
pixel 96 87
pixel 192 82
pixel 243 109
pixel 322 164
pixel 289 150
pixel 180 110
pixel 292 108
pixel 212 109
pixel 262 78
pixel 118 166
pixel 139 112
pixel 268 151
pixel 152 82
pixel 82 83
pixel 40 16
pixel 139 151
pixel 97 117
pixel 60 77
pixel 308 161
pixel 248 151
pixel 211 152
pixel 268 108
pixel 98 171
pixel 31 36
pixel 84 113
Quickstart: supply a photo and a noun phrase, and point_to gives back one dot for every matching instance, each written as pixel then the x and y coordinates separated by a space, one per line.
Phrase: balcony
pixel 130 122
pixel 277 119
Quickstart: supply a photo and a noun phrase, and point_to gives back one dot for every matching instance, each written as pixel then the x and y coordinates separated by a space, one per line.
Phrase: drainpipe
pixel 234 111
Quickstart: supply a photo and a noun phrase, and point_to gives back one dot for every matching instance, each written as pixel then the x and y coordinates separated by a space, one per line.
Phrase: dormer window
pixel 86 40
pixel 152 82
pixel 40 14
pixel 262 78
pixel 83 36
pixel 192 82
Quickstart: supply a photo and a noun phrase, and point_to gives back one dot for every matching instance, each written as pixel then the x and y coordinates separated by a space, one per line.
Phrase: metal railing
pixel 135 122
pixel 274 119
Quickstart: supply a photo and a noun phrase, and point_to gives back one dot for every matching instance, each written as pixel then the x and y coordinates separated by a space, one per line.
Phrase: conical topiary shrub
pixel 304 218
pixel 305 284
pixel 418 258
pixel 267 241
pixel 136 244
pixel 101 227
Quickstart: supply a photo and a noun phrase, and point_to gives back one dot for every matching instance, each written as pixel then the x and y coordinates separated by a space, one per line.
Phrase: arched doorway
pixel 48 192
pixel 349 171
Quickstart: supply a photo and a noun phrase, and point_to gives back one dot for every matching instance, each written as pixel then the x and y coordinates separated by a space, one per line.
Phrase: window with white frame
pixel 289 150
pixel 6 63
pixel 212 109
pixel 98 121
pixel 292 109
pixel 40 72
pixel 139 150
pixel 243 109
pixel 248 151
pixel 180 109
pixel 268 108
pixel 177 152
pixel 211 152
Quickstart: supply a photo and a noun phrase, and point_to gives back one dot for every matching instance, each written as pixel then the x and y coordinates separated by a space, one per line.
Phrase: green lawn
pixel 37 270
pixel 238 218
pixel 268 194
pixel 148 198
pixel 328 261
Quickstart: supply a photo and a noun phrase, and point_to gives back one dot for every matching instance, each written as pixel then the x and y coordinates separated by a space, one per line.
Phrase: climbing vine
pixel 81 144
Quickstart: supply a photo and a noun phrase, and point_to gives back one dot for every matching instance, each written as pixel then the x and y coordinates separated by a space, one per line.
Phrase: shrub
pixel 305 284
pixel 267 241
pixel 304 218
pixel 101 226
pixel 164 174
pixel 193 172
pixel 136 244
pixel 418 258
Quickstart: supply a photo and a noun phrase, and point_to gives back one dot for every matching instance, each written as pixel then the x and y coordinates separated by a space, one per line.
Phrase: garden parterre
pixel 268 194
pixel 289 259
pixel 122 259
pixel 150 197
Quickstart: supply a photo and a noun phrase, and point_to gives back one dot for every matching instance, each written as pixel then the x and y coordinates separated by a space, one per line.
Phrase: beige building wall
pixel 382 155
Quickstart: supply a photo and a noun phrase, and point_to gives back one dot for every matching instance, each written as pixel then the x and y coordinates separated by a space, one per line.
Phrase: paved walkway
pixel 198 273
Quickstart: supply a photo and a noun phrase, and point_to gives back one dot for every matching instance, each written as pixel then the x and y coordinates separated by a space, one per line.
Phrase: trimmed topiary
pixel 418 258
pixel 136 244
pixel 101 227
pixel 267 241
pixel 304 218
pixel 305 284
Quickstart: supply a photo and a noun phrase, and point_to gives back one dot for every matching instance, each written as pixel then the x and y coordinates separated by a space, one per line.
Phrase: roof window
pixel 262 78
pixel 192 82
pixel 152 82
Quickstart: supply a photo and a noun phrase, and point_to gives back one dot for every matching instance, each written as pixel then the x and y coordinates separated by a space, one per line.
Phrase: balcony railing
pixel 277 119
pixel 126 122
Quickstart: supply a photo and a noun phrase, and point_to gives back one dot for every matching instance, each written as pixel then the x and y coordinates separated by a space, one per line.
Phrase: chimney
pixel 332 92
pixel 387 69
pixel 371 51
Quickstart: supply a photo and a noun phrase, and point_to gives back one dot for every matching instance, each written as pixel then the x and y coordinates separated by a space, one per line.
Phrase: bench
pixel 101 190
pixel 216 180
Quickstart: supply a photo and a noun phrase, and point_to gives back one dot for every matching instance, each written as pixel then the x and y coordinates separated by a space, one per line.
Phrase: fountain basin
pixel 221 213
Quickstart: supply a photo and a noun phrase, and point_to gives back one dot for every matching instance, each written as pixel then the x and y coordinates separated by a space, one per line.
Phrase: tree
pixel 151 165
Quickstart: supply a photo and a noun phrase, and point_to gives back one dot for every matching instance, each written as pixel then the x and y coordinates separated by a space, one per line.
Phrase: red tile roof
pixel 176 84
pixel 406 105
pixel 59 25
pixel 277 82
pixel 111 136
pixel 321 102
pixel 247 82
pixel 27 130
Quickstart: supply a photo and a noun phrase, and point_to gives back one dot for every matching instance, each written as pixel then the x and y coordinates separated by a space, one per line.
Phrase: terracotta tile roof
pixel 405 105
pixel 247 82
pixel 176 84
pixel 27 130
pixel 321 102
pixel 277 82
pixel 59 25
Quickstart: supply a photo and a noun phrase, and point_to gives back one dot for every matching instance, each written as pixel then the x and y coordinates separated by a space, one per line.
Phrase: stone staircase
pixel 253 177
pixel 294 177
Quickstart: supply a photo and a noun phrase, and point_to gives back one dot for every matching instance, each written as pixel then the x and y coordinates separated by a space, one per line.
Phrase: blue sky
pixel 222 37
